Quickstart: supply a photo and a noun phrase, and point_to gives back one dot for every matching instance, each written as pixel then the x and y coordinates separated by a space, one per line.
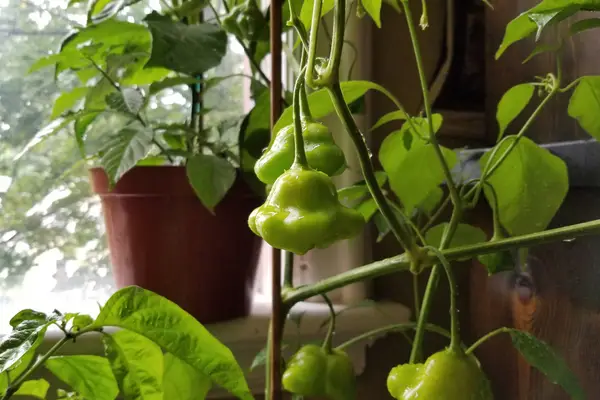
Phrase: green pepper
pixel 446 375
pixel 246 21
pixel 315 372
pixel 322 153
pixel 302 212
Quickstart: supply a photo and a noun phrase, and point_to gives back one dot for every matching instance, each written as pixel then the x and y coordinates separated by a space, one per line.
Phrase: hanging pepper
pixel 321 151
pixel 302 212
pixel 313 372
pixel 446 375
pixel 321 371
pixel 246 21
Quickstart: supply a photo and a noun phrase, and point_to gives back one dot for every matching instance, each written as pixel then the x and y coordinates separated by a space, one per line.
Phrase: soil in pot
pixel 163 239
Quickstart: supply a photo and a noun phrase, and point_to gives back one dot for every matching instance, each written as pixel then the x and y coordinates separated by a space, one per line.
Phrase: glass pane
pixel 53 251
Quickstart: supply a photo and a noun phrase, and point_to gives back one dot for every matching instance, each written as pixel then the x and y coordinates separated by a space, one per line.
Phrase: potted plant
pixel 303 211
pixel 175 191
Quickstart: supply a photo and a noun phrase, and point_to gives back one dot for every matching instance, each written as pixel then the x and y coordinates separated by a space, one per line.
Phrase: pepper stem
pixel 327 343
pixel 300 154
pixel 454 323
pixel 304 106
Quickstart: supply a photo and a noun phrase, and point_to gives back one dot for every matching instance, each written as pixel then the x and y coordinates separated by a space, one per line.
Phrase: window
pixel 52 248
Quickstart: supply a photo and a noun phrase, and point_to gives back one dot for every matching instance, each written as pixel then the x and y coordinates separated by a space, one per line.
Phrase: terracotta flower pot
pixel 162 238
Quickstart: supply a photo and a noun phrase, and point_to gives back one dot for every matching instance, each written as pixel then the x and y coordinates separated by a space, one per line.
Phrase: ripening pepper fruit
pixel 315 372
pixel 246 21
pixel 446 375
pixel 321 151
pixel 302 212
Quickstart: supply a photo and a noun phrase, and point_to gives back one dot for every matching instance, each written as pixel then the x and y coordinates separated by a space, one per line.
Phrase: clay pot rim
pixel 155 181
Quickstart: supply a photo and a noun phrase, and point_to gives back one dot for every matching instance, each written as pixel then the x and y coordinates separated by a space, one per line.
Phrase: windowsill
pixel 246 337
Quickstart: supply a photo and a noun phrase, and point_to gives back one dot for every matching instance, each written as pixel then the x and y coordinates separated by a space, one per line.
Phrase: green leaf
pixel 173 42
pixel 171 82
pixel 307 11
pixel 34 388
pixel 352 196
pixel 177 332
pixel 546 6
pixel 497 262
pixel 28 315
pixel 211 178
pixel 106 9
pixel 90 376
pixel 187 8
pixel 389 117
pixel 320 102
pixel 123 150
pixel 512 103
pixel 110 37
pixel 542 48
pixel 137 365
pixel 465 235
pixel 367 208
pixel 127 100
pixel 584 25
pixel 530 184
pixel 24 338
pixel 414 173
pixel 373 8
pixel 516 30
pixel 183 382
pixel 542 357
pixel 261 357
pixel 584 105
pixel 67 100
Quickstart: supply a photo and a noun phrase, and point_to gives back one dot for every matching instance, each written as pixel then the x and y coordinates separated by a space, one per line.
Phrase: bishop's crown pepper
pixel 321 151
pixel 446 375
pixel 302 212
pixel 315 372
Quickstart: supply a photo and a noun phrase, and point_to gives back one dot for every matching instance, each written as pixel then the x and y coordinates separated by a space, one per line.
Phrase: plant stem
pixel 337 41
pixel 331 330
pixel 137 116
pixel 438 214
pixel 391 328
pixel 404 237
pixel 486 338
pixel 300 154
pixel 454 195
pixel 312 48
pixel 432 286
pixel 402 263
pixel 490 168
pixel 288 269
pixel 416 294
pixel 454 322
pixel 255 64
pixel 14 386
pixel 521 133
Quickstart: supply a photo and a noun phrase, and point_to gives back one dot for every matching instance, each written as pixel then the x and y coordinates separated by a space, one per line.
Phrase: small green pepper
pixel 246 21
pixel 315 372
pixel 446 375
pixel 322 153
pixel 302 212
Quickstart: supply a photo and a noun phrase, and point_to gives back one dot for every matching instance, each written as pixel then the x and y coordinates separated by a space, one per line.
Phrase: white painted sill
pixel 246 337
